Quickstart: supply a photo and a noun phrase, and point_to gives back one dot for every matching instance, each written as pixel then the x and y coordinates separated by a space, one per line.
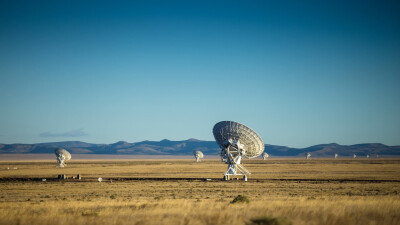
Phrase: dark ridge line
pixel 92 179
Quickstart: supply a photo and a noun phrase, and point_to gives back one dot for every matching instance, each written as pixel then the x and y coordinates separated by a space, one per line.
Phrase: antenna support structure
pixel 61 160
pixel 232 154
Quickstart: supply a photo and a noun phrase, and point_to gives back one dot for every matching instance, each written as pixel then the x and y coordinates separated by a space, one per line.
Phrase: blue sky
pixel 298 72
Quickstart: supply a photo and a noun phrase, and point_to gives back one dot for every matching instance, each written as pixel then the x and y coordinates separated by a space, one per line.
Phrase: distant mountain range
pixel 186 147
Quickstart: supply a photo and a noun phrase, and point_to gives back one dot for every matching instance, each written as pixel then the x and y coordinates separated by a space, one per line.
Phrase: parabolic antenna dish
pixel 234 131
pixel 237 141
pixel 198 155
pixel 265 155
pixel 62 156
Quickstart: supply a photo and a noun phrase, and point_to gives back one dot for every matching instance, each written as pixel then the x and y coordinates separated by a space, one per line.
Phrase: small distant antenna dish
pixel 62 156
pixel 237 141
pixel 198 155
pixel 308 155
pixel 336 155
pixel 100 179
pixel 354 156
pixel 367 156
pixel 265 155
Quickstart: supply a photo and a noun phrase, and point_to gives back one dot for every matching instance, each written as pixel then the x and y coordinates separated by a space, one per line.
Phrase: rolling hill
pixel 186 147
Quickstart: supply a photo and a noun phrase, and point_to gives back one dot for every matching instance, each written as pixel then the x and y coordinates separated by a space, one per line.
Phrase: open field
pixel 297 191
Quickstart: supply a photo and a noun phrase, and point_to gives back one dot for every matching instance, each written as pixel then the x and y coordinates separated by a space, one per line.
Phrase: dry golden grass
pixel 322 201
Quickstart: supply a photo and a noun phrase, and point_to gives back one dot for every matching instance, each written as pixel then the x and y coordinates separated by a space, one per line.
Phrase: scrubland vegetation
pixel 287 191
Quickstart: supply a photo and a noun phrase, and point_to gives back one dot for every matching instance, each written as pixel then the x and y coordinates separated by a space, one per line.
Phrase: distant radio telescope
pixel 237 141
pixel 354 156
pixel 308 155
pixel 265 155
pixel 336 155
pixel 367 156
pixel 62 156
pixel 198 155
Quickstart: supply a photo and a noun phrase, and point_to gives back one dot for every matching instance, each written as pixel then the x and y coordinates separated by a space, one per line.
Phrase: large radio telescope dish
pixel 198 155
pixel 236 141
pixel 62 156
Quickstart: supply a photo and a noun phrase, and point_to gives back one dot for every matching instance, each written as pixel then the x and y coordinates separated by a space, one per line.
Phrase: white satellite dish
pixel 198 155
pixel 265 155
pixel 62 156
pixel 308 155
pixel 100 179
pixel 236 141
pixel 336 155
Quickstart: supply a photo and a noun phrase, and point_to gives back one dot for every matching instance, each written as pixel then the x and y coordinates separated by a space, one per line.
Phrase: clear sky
pixel 297 72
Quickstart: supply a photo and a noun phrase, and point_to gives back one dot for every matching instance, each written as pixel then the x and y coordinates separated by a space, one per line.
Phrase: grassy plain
pixel 317 191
